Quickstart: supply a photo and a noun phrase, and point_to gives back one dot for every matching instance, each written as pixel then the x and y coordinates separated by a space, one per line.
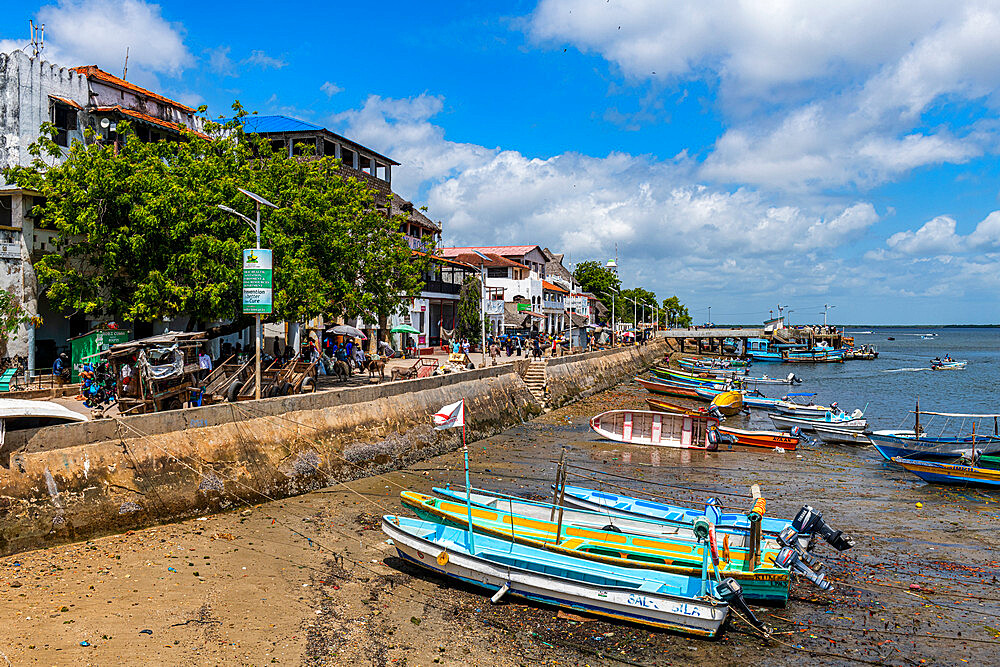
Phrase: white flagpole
pixel 468 487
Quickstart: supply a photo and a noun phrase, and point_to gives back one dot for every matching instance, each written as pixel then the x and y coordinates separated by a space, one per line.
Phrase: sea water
pixel 888 388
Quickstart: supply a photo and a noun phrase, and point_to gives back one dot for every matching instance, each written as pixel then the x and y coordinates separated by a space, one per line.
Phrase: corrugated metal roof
pixel 505 250
pixel 264 124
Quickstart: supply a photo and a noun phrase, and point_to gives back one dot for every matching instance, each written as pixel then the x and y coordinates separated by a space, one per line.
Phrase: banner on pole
pixel 257 291
pixel 450 416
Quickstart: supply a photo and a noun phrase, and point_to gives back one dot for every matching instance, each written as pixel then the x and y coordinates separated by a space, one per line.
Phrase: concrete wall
pixel 72 482
pixel 572 377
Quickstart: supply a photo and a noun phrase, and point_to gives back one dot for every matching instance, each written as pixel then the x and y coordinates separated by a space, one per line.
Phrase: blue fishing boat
pixel 659 599
pixel 750 398
pixel 985 472
pixel 908 444
pixel 806 523
pixel 761 349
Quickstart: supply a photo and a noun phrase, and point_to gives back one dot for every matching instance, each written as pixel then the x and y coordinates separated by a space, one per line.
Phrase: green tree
pixel 599 281
pixel 12 318
pixel 469 317
pixel 142 237
pixel 641 297
pixel 676 313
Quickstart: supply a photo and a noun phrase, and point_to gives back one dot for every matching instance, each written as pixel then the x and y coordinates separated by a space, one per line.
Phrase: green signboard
pixel 521 307
pixel 257 293
pixel 84 349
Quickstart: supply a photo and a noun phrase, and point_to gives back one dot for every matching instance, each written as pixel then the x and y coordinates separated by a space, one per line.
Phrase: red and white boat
pixel 662 429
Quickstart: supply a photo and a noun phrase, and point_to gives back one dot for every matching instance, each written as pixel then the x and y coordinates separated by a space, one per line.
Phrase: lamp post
pixel 482 302
pixel 826 308
pixel 614 329
pixel 258 343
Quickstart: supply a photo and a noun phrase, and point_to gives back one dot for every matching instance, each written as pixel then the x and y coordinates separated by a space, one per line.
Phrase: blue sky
pixel 740 155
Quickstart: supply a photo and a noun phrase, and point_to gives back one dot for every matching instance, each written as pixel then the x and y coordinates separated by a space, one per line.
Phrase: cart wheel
pixel 308 385
pixel 173 404
pixel 283 389
pixel 234 390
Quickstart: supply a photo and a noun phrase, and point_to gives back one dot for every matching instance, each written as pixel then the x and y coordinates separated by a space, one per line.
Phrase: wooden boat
pixel 599 520
pixel 658 599
pixel 848 423
pixel 613 503
pixel 907 444
pixel 664 406
pixel 767 439
pixel 729 403
pixel 753 399
pixel 668 388
pixel 787 405
pixel 985 472
pixel 813 357
pixel 712 362
pixel 840 436
pixel 764 581
pixel 948 365
pixel 664 429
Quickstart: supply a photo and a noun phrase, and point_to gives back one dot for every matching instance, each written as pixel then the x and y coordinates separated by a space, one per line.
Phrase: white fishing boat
pixel 659 599
pixel 852 422
pixel 840 436
pixel 948 365
pixel 662 429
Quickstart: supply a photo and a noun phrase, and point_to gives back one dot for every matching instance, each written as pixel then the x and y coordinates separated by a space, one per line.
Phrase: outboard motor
pixel 810 521
pixel 789 558
pixel 732 593
pixel 792 379
pixel 788 537
pixel 713 410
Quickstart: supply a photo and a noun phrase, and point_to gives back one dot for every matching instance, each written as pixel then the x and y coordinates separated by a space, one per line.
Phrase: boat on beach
pixel 663 429
pixel 985 471
pixel 766 439
pixel 669 388
pixel 840 436
pixel 759 575
pixel 852 422
pixel 916 443
pixel 728 403
pixel 658 599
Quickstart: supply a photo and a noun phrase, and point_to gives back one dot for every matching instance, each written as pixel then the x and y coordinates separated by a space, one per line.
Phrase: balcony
pixel 441 287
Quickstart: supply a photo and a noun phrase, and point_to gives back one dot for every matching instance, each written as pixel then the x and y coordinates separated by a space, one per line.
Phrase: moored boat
pixel 664 406
pixel 658 599
pixel 985 472
pixel 663 429
pixel 853 422
pixel 760 577
pixel 835 435
pixel 728 403
pixel 669 389
pixel 767 439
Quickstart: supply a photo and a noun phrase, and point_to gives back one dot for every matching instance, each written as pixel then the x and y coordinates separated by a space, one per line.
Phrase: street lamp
pixel 258 200
pixel 826 308
pixel 614 329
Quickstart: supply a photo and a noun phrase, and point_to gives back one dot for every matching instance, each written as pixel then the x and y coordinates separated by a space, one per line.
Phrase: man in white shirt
pixel 205 363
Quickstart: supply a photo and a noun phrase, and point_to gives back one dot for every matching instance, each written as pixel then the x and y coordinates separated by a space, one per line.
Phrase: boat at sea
pixel 761 349
pixel 658 599
pixel 755 569
pixel 663 429
pixel 853 422
pixel 938 365
pixel 813 356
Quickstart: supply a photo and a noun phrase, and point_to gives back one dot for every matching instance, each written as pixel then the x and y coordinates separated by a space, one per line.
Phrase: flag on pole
pixel 450 416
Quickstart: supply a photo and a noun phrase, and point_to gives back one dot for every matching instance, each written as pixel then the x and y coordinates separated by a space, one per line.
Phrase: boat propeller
pixel 789 557
pixel 731 592
pixel 810 522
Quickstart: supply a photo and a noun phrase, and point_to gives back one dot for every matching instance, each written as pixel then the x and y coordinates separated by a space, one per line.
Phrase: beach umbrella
pixel 345 330
pixel 404 328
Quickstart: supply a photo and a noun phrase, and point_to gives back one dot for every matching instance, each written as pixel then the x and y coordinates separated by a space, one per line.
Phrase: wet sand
pixel 310 580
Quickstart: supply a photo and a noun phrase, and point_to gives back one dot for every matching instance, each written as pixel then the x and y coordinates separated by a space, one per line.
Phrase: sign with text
pixel 257 291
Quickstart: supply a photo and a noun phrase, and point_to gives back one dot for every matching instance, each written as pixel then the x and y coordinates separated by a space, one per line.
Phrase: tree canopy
pixel 596 279
pixel 469 318
pixel 142 238
pixel 676 313
pixel 641 297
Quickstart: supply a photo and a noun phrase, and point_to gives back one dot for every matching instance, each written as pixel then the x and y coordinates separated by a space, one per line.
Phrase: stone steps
pixel 535 378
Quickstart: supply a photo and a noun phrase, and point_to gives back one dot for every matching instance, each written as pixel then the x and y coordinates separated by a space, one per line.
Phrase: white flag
pixel 450 416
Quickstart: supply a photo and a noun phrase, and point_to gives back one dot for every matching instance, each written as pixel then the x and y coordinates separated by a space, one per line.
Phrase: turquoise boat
pixel 657 599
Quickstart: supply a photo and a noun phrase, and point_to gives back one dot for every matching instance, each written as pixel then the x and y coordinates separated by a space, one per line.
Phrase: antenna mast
pixel 37 38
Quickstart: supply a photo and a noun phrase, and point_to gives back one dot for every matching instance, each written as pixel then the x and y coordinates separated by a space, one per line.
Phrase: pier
pixel 708 340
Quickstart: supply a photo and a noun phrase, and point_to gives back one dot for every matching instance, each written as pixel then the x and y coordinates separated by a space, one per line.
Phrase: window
pixel 496 272
pixel 347 156
pixel 278 146
pixel 329 148
pixel 6 211
pixel 64 118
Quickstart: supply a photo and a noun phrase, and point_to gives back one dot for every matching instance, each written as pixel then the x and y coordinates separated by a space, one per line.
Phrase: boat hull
pixel 441 549
pixel 950 473
pixel 891 446
pixel 661 429
pixel 767 439
pixel 784 422
pixel 669 389
pixel 833 435
pixel 729 403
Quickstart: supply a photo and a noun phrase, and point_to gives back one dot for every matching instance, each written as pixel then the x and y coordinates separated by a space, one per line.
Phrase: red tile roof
pixel 505 250
pixel 150 119
pixel 445 260
pixel 95 72
pixel 553 288
pixel 67 102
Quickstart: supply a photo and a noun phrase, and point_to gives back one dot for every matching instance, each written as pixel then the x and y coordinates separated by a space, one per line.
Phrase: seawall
pixel 73 482
pixel 572 377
